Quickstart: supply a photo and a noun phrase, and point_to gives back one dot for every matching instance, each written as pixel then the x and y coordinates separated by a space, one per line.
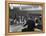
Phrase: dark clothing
pixel 31 25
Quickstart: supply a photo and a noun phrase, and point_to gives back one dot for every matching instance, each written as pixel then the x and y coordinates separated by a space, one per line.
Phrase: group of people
pixel 31 24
